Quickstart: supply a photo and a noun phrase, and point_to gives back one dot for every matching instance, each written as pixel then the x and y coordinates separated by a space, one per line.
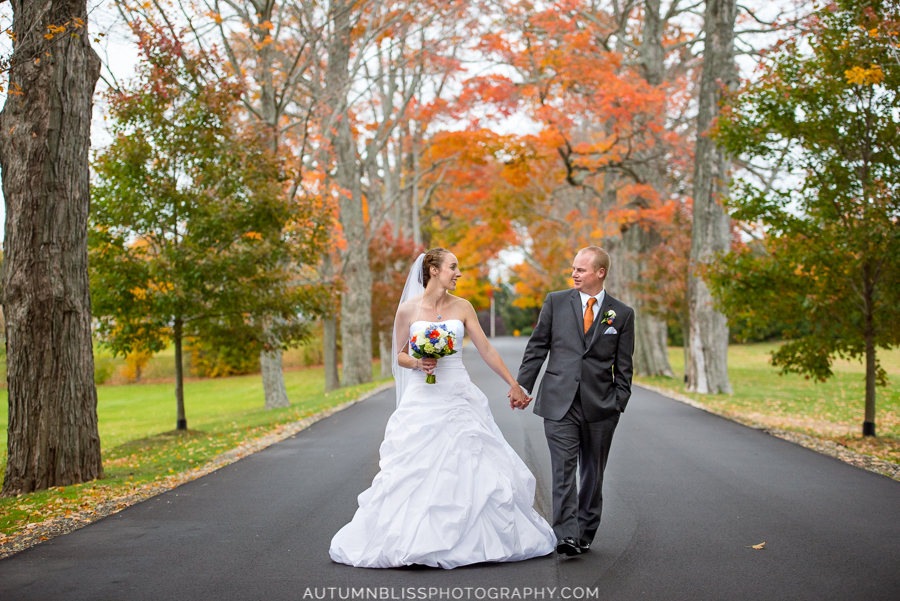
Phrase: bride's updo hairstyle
pixel 433 258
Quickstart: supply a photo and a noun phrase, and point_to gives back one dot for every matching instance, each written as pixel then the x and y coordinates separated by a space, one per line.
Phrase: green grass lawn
pixel 832 409
pixel 139 445
pixel 161 365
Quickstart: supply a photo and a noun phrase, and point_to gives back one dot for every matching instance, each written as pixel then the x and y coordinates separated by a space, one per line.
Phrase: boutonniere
pixel 608 317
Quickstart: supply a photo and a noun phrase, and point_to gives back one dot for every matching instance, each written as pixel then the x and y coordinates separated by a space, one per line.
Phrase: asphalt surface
pixel 687 493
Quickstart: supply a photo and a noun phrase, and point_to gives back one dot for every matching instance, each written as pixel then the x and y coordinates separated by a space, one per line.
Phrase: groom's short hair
pixel 600 259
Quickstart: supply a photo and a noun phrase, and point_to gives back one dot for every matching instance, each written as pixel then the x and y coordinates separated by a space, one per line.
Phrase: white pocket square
pixel 611 330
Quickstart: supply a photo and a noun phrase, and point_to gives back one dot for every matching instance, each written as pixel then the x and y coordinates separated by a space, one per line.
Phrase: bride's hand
pixel 427 364
pixel 517 397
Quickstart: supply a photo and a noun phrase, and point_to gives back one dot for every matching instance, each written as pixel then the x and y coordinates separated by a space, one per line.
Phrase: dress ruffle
pixel 451 491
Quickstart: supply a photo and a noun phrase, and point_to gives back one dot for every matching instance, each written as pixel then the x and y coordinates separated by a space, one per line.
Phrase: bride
pixel 451 491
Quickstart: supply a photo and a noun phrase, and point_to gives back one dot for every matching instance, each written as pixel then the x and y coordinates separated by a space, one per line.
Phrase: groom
pixel 589 336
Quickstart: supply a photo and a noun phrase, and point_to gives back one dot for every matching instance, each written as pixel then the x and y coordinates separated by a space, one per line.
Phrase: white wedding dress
pixel 451 491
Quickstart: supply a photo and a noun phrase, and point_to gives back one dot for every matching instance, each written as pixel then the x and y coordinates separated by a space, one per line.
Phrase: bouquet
pixel 433 342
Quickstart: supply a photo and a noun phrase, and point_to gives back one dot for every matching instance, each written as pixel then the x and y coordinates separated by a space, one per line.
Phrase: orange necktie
pixel 589 314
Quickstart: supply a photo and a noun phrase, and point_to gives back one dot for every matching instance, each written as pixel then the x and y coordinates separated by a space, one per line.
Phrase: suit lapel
pixel 579 317
pixel 598 331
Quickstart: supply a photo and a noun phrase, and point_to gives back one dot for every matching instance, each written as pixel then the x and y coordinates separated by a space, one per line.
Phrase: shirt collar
pixel 585 297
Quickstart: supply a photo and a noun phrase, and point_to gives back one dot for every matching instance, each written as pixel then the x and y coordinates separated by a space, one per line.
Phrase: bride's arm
pixel 492 357
pixel 404 359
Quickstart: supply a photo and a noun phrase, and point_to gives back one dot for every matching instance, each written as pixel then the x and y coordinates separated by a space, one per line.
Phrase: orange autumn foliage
pixel 583 180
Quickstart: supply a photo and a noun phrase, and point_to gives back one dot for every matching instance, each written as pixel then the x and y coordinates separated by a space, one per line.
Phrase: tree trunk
pixel 272 370
pixel 415 208
pixel 651 332
pixel 329 334
pixel 651 342
pixel 653 54
pixel 384 352
pixel 650 345
pixel 685 337
pixel 404 198
pixel 871 360
pixel 869 420
pixel 273 379
pixel 356 303
pixel 44 145
pixel 181 421
pixel 329 354
pixel 708 368
pixel 651 357
pixel 274 390
pixel 356 296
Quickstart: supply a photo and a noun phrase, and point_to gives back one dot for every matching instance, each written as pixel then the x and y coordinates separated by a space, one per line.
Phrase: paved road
pixel 687 494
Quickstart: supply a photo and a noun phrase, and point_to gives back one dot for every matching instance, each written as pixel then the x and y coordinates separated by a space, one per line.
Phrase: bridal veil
pixel 400 337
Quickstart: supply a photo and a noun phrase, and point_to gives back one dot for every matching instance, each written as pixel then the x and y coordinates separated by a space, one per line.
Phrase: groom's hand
pixel 517 397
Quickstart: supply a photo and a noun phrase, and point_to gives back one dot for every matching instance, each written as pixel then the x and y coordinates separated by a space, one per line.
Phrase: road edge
pixel 39 532
pixel 825 447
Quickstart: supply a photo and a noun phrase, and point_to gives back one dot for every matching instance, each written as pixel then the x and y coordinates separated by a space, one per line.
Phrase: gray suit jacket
pixel 601 363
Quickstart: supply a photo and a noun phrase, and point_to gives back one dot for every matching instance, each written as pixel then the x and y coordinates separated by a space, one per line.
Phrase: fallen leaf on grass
pixel 759 546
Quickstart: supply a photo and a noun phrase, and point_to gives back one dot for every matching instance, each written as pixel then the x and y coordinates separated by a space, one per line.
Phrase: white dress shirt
pixel 596 307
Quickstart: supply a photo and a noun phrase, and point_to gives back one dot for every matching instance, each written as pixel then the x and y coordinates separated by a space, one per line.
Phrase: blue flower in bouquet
pixel 434 342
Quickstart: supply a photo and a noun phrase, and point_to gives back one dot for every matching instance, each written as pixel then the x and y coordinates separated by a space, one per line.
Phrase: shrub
pixel 208 361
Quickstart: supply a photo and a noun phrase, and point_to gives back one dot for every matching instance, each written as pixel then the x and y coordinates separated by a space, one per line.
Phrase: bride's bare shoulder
pixel 461 304
pixel 409 307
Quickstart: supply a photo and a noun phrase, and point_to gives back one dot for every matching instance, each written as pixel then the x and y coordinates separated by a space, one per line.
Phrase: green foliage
pixel 104 368
pixel 743 331
pixel 514 318
pixel 312 353
pixel 190 222
pixel 829 267
pixel 208 361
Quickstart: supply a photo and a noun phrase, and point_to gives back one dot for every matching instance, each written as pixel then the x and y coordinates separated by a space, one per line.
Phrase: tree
pixel 831 254
pixel 6 30
pixel 393 47
pixel 44 143
pixel 270 49
pixel 191 233
pixel 474 182
pixel 356 296
pixel 707 369
pixel 135 362
pixel 596 77
pixel 390 259
pixel 664 281
pixel 347 91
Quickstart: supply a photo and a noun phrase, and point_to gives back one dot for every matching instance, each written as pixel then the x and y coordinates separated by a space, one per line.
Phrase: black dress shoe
pixel 569 546
pixel 584 545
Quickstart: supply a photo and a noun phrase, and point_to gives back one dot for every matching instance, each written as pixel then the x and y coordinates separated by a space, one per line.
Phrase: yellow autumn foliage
pixel 862 76
pixel 135 362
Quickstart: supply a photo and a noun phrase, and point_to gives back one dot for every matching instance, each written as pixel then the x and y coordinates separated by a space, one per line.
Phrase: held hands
pixel 517 397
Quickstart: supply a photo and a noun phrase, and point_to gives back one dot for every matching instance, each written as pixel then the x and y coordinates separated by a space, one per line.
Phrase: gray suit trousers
pixel 574 441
